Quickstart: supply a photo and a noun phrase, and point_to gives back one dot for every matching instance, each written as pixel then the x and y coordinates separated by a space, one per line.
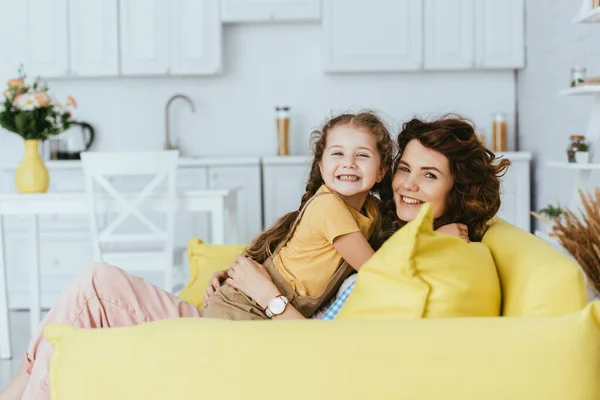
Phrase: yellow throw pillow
pixel 528 358
pixel 204 260
pixel 422 273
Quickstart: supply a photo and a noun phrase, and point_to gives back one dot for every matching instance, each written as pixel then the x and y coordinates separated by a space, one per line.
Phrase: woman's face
pixel 423 176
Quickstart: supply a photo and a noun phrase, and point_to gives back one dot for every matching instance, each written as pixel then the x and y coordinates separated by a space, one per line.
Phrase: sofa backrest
pixel 537 279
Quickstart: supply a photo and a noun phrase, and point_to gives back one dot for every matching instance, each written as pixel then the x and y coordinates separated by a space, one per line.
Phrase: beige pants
pixel 102 296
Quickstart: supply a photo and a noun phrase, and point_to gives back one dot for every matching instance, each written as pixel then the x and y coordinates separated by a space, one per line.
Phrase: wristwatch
pixel 276 306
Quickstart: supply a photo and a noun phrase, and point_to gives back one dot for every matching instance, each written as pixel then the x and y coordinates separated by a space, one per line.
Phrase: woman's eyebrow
pixel 425 168
pixel 431 169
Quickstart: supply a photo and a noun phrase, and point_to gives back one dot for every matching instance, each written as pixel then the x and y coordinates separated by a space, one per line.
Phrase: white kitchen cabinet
pixel 500 33
pixel 449 34
pixel 247 179
pixel 34 33
pixel 270 10
pixel 515 191
pixel 284 183
pixel 144 37
pixel 93 37
pixel 372 35
pixel 196 37
pixel 48 41
pixel 14 42
pixel 161 37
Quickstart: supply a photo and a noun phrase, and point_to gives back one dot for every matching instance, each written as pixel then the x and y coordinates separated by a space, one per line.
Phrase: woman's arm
pixel 253 280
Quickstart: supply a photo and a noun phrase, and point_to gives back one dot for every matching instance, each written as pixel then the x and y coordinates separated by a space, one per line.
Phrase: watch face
pixel 277 306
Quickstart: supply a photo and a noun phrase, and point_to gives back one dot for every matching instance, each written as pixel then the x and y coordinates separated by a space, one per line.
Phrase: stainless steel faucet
pixel 168 144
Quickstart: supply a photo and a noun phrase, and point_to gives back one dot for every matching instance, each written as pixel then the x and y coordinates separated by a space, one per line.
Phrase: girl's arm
pixel 354 249
pixel 253 280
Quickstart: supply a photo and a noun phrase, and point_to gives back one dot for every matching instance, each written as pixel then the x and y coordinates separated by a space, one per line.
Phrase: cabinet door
pixel 515 195
pixel 449 28
pixel 144 37
pixel 14 42
pixel 62 257
pixel 93 37
pixel 48 54
pixel 247 178
pixel 196 37
pixel 270 10
pixel 372 35
pixel 284 186
pixel 500 33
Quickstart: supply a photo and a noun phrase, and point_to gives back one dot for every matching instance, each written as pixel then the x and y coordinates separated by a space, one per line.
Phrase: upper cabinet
pixel 372 35
pixel 93 38
pixel 162 37
pixel 500 37
pixel 270 10
pixel 60 38
pixel 196 37
pixel 144 37
pixel 13 50
pixel 480 34
pixel 34 33
pixel 449 34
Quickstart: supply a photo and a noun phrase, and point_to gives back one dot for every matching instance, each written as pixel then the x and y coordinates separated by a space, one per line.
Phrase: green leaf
pixel 21 122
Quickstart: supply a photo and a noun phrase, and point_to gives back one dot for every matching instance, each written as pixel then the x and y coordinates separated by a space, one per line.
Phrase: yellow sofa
pixel 547 345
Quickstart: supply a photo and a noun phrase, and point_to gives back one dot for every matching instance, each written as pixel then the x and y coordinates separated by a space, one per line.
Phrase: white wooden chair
pixel 117 203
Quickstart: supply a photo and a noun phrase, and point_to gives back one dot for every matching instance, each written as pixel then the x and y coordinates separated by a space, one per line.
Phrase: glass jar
pixel 283 130
pixel 578 74
pixel 574 146
pixel 499 133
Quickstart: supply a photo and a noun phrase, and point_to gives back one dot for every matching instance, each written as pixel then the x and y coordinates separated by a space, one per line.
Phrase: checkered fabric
pixel 335 308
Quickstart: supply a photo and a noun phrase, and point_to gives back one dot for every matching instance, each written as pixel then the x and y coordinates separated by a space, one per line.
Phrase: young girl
pixel 304 250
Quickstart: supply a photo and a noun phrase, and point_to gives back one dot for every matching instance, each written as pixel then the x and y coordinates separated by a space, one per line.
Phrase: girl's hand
pixel 215 282
pixel 459 230
pixel 251 278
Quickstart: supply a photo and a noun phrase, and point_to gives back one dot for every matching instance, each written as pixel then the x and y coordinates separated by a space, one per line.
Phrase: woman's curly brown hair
pixel 475 195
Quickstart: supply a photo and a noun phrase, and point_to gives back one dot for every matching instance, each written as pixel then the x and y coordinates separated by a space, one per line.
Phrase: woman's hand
pixel 459 230
pixel 215 282
pixel 252 279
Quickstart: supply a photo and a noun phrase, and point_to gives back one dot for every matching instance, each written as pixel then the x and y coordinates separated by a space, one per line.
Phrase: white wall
pixel 267 65
pixel 546 119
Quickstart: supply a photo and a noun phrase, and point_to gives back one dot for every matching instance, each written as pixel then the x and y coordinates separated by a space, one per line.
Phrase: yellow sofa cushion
pixel 537 279
pixel 422 273
pixel 204 260
pixel 550 358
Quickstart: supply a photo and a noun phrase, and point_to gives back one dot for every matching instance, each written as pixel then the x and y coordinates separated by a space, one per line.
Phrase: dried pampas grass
pixel 580 236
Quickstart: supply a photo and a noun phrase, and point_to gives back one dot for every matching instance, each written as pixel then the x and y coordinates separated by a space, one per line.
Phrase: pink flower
pixel 71 101
pixel 6 94
pixel 16 83
pixel 42 98
pixel 17 99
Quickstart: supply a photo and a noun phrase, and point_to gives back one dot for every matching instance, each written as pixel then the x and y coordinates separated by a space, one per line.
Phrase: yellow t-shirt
pixel 309 260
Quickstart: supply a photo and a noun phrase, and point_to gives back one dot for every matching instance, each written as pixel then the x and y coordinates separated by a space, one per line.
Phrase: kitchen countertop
pixel 183 162
pixel 191 162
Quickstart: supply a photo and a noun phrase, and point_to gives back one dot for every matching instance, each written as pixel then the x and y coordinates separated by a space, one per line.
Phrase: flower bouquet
pixel 32 112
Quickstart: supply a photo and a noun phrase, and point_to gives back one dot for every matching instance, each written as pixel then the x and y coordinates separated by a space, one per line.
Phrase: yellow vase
pixel 32 175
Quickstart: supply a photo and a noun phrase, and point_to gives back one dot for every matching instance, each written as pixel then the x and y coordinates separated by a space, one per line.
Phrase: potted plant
pixel 579 233
pixel 548 215
pixel 582 156
pixel 30 111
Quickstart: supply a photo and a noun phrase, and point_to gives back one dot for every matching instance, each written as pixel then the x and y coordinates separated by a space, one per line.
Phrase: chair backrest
pixel 126 203
pixel 536 278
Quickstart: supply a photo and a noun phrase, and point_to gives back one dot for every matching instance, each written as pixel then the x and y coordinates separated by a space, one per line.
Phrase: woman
pixel 441 162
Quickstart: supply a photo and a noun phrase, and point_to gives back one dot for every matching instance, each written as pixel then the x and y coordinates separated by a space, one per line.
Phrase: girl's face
pixel 351 164
pixel 423 176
